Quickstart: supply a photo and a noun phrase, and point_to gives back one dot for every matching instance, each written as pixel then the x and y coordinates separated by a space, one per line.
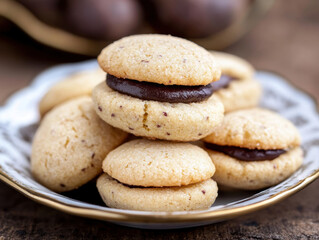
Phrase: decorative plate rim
pixel 158 217
pixel 109 214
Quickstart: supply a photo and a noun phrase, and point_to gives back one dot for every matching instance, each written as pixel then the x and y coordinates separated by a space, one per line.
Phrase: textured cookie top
pixel 157 163
pixel 234 66
pixel 255 129
pixel 75 85
pixel 160 59
pixel 70 145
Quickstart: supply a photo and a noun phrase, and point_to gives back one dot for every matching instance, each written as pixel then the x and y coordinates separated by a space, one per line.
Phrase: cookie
pixel 243 91
pixel 234 66
pixel 161 59
pixel 75 85
pixel 148 163
pixel 255 128
pixel 191 197
pixel 70 145
pixel 254 149
pixel 254 175
pixel 153 119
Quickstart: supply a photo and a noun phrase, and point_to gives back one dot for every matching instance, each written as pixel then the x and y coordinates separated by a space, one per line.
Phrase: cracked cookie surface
pixel 191 197
pixel 70 145
pixel 152 119
pixel 149 163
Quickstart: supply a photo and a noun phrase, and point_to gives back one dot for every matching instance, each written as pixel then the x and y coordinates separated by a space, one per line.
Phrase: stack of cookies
pixel 158 176
pixel 158 87
pixel 161 88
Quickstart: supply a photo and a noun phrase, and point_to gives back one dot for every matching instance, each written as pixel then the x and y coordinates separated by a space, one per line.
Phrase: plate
pixel 19 119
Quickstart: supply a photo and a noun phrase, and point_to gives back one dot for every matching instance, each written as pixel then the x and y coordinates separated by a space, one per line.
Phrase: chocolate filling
pixel 159 92
pixel 246 154
pixel 165 93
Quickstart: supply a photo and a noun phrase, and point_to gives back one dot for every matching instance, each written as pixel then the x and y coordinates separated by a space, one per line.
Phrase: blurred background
pixel 272 35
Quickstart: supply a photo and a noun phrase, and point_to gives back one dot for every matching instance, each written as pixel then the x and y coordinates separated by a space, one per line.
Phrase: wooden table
pixel 286 41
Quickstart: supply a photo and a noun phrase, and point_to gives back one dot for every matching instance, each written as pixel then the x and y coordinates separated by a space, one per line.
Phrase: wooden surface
pixel 285 41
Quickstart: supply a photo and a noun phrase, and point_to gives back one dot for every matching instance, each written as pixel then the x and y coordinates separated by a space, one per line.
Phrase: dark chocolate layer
pixel 159 92
pixel 246 154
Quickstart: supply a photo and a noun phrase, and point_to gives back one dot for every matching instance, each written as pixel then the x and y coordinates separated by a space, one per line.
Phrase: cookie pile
pixel 158 176
pixel 170 92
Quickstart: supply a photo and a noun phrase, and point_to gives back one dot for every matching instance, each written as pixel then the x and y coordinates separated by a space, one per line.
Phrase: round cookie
pixel 244 91
pixel 253 175
pixel 255 128
pixel 75 85
pixel 148 163
pixel 70 145
pixel 240 94
pixel 234 66
pixel 168 121
pixel 191 197
pixel 159 59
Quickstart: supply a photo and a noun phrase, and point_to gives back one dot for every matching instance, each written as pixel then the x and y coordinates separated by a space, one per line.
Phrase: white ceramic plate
pixel 19 118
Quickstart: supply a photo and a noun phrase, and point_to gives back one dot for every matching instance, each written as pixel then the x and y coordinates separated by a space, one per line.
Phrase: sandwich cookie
pixel 70 145
pixel 254 149
pixel 237 88
pixel 159 86
pixel 75 85
pixel 158 176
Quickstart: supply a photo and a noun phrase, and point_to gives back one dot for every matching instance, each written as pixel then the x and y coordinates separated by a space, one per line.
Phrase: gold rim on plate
pixel 157 217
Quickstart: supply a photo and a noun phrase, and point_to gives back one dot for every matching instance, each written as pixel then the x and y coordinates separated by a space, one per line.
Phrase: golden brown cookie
pixel 255 128
pixel 148 163
pixel 243 91
pixel 254 149
pixel 75 85
pixel 253 175
pixel 191 197
pixel 161 59
pixel 152 119
pixel 70 145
